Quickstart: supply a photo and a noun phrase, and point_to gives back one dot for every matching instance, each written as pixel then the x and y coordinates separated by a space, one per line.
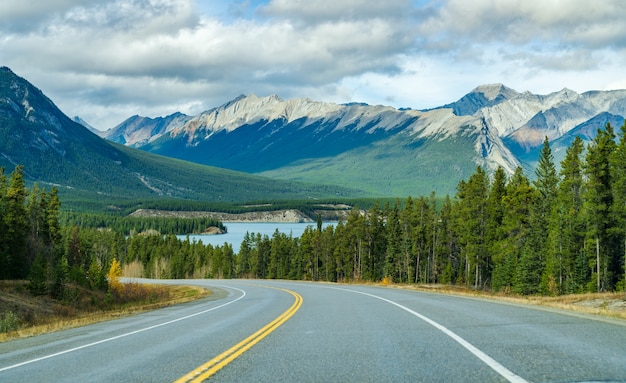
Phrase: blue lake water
pixel 238 230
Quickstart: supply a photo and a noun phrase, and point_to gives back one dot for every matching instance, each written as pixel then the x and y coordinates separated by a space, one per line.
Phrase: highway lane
pixel 340 333
pixel 158 346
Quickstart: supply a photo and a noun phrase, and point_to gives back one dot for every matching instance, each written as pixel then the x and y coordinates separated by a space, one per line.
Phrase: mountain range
pixel 265 148
pixel 58 151
pixel 380 149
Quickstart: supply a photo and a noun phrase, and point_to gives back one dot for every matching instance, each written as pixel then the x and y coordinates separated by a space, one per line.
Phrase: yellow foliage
pixel 115 272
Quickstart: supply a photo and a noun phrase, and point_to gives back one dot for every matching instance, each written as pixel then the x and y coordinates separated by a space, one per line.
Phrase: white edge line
pixel 122 335
pixel 495 365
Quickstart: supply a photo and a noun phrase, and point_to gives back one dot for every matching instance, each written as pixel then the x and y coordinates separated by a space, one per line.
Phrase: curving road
pixel 327 333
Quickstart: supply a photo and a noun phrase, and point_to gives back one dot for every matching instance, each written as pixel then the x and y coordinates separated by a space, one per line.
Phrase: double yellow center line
pixel 212 366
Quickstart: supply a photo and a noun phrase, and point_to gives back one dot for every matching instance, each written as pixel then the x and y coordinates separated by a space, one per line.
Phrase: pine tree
pixel 37 278
pixel 618 167
pixel 393 256
pixel 537 245
pixel 411 244
pixel 449 247
pixel 375 245
pixel 472 225
pixel 599 206
pixel 341 252
pixel 327 250
pixel 4 250
pixel 16 225
pixel 357 238
pixel 309 240
pixel 517 201
pixel 566 230
pixel 495 232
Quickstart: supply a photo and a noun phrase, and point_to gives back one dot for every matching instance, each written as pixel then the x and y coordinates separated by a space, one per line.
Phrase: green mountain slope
pixel 396 166
pixel 57 151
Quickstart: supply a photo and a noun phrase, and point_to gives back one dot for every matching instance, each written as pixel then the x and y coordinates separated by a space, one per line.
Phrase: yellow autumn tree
pixel 115 272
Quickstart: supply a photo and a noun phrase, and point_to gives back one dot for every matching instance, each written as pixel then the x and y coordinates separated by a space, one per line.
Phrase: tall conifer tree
pixel 618 166
pixel 598 205
pixel 4 268
pixel 517 202
pixel 495 230
pixel 566 231
pixel 472 225
pixel 16 225
pixel 546 181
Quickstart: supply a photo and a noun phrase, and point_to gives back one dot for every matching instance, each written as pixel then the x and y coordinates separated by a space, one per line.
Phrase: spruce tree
pixel 449 246
pixel 545 183
pixel 376 244
pixel 518 200
pixel 16 226
pixel 472 225
pixel 37 278
pixel 618 168
pixel 327 250
pixel 566 230
pixel 393 257
pixel 4 256
pixel 495 230
pixel 599 206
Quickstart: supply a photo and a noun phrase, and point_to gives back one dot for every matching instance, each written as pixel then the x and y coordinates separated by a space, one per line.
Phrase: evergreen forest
pixel 561 231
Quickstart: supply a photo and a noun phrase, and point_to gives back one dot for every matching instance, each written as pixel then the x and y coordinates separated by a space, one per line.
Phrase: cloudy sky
pixel 106 60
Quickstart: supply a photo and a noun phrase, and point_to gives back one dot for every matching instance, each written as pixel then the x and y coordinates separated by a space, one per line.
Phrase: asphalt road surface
pixel 276 331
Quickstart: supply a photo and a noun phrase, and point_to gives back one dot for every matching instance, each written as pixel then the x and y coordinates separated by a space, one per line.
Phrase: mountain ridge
pixel 347 149
pixel 306 139
pixel 57 151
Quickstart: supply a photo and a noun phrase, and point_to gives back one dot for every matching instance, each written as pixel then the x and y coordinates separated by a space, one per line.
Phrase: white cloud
pixel 106 59
pixel 324 11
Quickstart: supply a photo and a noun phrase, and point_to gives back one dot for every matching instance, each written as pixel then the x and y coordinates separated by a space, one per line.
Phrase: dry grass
pixel 39 315
pixel 611 305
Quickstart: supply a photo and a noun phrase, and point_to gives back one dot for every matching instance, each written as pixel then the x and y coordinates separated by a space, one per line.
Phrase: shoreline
pixel 267 216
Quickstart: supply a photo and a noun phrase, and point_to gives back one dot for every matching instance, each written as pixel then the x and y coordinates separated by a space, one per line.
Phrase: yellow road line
pixel 212 366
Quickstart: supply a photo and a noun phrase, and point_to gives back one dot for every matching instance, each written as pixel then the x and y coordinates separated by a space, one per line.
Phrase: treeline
pixel 130 225
pixel 63 257
pixel 34 246
pixel 29 226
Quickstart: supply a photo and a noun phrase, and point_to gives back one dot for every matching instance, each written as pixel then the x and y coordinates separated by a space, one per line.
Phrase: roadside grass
pixel 23 315
pixel 610 304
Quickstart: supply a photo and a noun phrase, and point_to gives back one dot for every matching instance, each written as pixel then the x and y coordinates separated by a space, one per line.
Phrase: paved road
pixel 338 334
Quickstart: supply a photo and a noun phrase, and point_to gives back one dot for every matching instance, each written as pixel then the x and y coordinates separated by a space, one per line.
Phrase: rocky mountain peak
pixel 492 91
pixel 481 97
pixel 566 95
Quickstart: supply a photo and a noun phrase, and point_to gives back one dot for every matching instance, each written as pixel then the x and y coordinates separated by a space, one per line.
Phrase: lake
pixel 238 230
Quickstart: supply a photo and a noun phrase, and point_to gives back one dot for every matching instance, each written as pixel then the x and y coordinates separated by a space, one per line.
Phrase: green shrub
pixel 9 322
